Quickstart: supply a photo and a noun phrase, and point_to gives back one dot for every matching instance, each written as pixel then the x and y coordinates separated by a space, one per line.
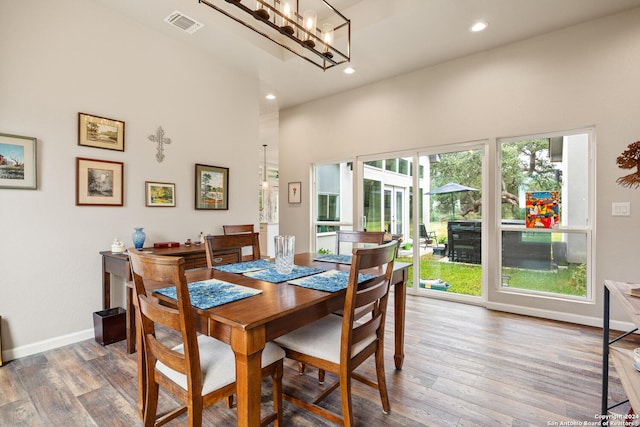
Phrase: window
pixel 391 165
pixel 328 207
pixel 333 202
pixel 545 213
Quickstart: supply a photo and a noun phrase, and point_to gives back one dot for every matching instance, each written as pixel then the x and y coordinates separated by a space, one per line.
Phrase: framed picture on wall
pixel 100 132
pixel 99 182
pixel 295 189
pixel 17 162
pixel 160 194
pixel 212 187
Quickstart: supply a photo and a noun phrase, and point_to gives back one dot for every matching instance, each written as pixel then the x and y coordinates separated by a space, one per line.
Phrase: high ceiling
pixel 389 37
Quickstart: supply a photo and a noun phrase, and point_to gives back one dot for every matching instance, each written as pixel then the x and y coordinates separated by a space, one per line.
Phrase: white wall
pixel 581 76
pixel 69 56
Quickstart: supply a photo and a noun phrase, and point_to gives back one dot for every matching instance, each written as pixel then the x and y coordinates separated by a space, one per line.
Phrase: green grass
pixel 466 279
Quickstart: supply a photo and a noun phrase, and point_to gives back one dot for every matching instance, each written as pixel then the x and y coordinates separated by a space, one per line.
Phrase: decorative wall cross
pixel 160 140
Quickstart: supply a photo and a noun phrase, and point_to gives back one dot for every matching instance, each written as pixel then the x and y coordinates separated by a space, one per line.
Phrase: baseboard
pixel 562 317
pixel 38 347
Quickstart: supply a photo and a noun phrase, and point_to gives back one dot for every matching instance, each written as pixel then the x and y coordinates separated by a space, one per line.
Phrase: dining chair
pixel 227 249
pixel 200 370
pixel 237 229
pixel 339 344
pixel 351 236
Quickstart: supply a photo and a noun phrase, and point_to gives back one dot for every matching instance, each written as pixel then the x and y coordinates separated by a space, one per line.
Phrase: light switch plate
pixel 620 209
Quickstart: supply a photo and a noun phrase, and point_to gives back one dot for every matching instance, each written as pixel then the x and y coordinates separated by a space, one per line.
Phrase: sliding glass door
pixel 440 227
pixel 451 224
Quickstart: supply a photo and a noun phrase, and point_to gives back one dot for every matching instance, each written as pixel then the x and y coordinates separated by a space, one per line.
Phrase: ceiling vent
pixel 182 21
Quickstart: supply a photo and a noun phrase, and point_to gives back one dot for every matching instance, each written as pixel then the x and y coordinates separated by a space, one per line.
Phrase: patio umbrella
pixel 451 188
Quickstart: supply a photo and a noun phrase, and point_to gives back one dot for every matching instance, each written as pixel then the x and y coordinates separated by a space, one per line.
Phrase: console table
pixel 118 264
pixel 622 359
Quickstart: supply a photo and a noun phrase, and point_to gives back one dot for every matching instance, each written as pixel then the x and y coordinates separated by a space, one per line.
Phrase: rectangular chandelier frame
pixel 324 46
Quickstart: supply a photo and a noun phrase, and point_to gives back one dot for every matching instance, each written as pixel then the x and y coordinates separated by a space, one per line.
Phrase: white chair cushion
pixel 321 339
pixel 217 363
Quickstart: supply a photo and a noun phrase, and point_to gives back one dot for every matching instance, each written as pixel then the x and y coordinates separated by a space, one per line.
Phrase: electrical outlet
pixel 620 209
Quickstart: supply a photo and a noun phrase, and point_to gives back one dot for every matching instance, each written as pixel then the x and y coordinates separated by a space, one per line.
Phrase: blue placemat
pixel 212 293
pixel 340 259
pixel 271 275
pixel 330 281
pixel 243 267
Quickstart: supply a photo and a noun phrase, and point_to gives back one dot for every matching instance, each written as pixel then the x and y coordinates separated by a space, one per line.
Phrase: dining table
pixel 248 324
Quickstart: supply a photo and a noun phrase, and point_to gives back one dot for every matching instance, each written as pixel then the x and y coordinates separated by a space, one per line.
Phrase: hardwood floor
pixel 464 366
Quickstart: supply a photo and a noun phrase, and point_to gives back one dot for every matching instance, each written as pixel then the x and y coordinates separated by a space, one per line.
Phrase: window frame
pixel 587 230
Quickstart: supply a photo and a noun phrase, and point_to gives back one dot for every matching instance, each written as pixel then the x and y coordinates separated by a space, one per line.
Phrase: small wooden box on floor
pixel 109 325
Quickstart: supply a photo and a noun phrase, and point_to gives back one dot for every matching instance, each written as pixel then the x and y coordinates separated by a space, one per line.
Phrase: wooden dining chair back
pixel 200 370
pixel 339 344
pixel 352 236
pixel 237 229
pixel 228 249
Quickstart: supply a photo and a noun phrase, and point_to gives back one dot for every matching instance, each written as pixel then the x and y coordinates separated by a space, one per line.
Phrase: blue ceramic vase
pixel 138 237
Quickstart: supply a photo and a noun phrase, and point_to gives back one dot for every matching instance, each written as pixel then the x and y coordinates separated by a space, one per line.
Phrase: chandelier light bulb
pixel 327 38
pixel 286 19
pixel 310 17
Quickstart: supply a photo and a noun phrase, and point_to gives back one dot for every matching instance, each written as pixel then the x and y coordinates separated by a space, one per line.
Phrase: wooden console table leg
pixel 130 321
pixel 106 286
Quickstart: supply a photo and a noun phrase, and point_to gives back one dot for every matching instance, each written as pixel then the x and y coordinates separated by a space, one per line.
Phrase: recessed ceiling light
pixel 270 96
pixel 349 70
pixel 479 26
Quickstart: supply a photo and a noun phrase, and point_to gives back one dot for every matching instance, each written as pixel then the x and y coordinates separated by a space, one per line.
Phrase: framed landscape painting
pixel 18 162
pixel 99 182
pixel 160 194
pixel 212 187
pixel 100 132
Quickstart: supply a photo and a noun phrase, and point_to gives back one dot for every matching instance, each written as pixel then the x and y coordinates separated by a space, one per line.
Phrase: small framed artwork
pixel 99 182
pixel 18 162
pixel 212 187
pixel 294 192
pixel 160 194
pixel 100 132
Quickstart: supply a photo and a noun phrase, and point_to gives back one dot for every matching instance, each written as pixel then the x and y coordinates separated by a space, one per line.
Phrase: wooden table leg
pixel 247 346
pixel 400 302
pixel 130 320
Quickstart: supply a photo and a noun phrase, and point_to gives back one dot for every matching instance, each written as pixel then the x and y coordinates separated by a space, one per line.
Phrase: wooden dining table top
pixel 247 324
pixel 277 300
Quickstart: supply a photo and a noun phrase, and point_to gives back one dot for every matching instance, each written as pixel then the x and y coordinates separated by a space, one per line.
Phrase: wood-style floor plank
pixel 464 366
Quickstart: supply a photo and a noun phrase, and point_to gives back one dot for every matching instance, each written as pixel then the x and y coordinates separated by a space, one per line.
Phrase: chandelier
pixel 311 29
